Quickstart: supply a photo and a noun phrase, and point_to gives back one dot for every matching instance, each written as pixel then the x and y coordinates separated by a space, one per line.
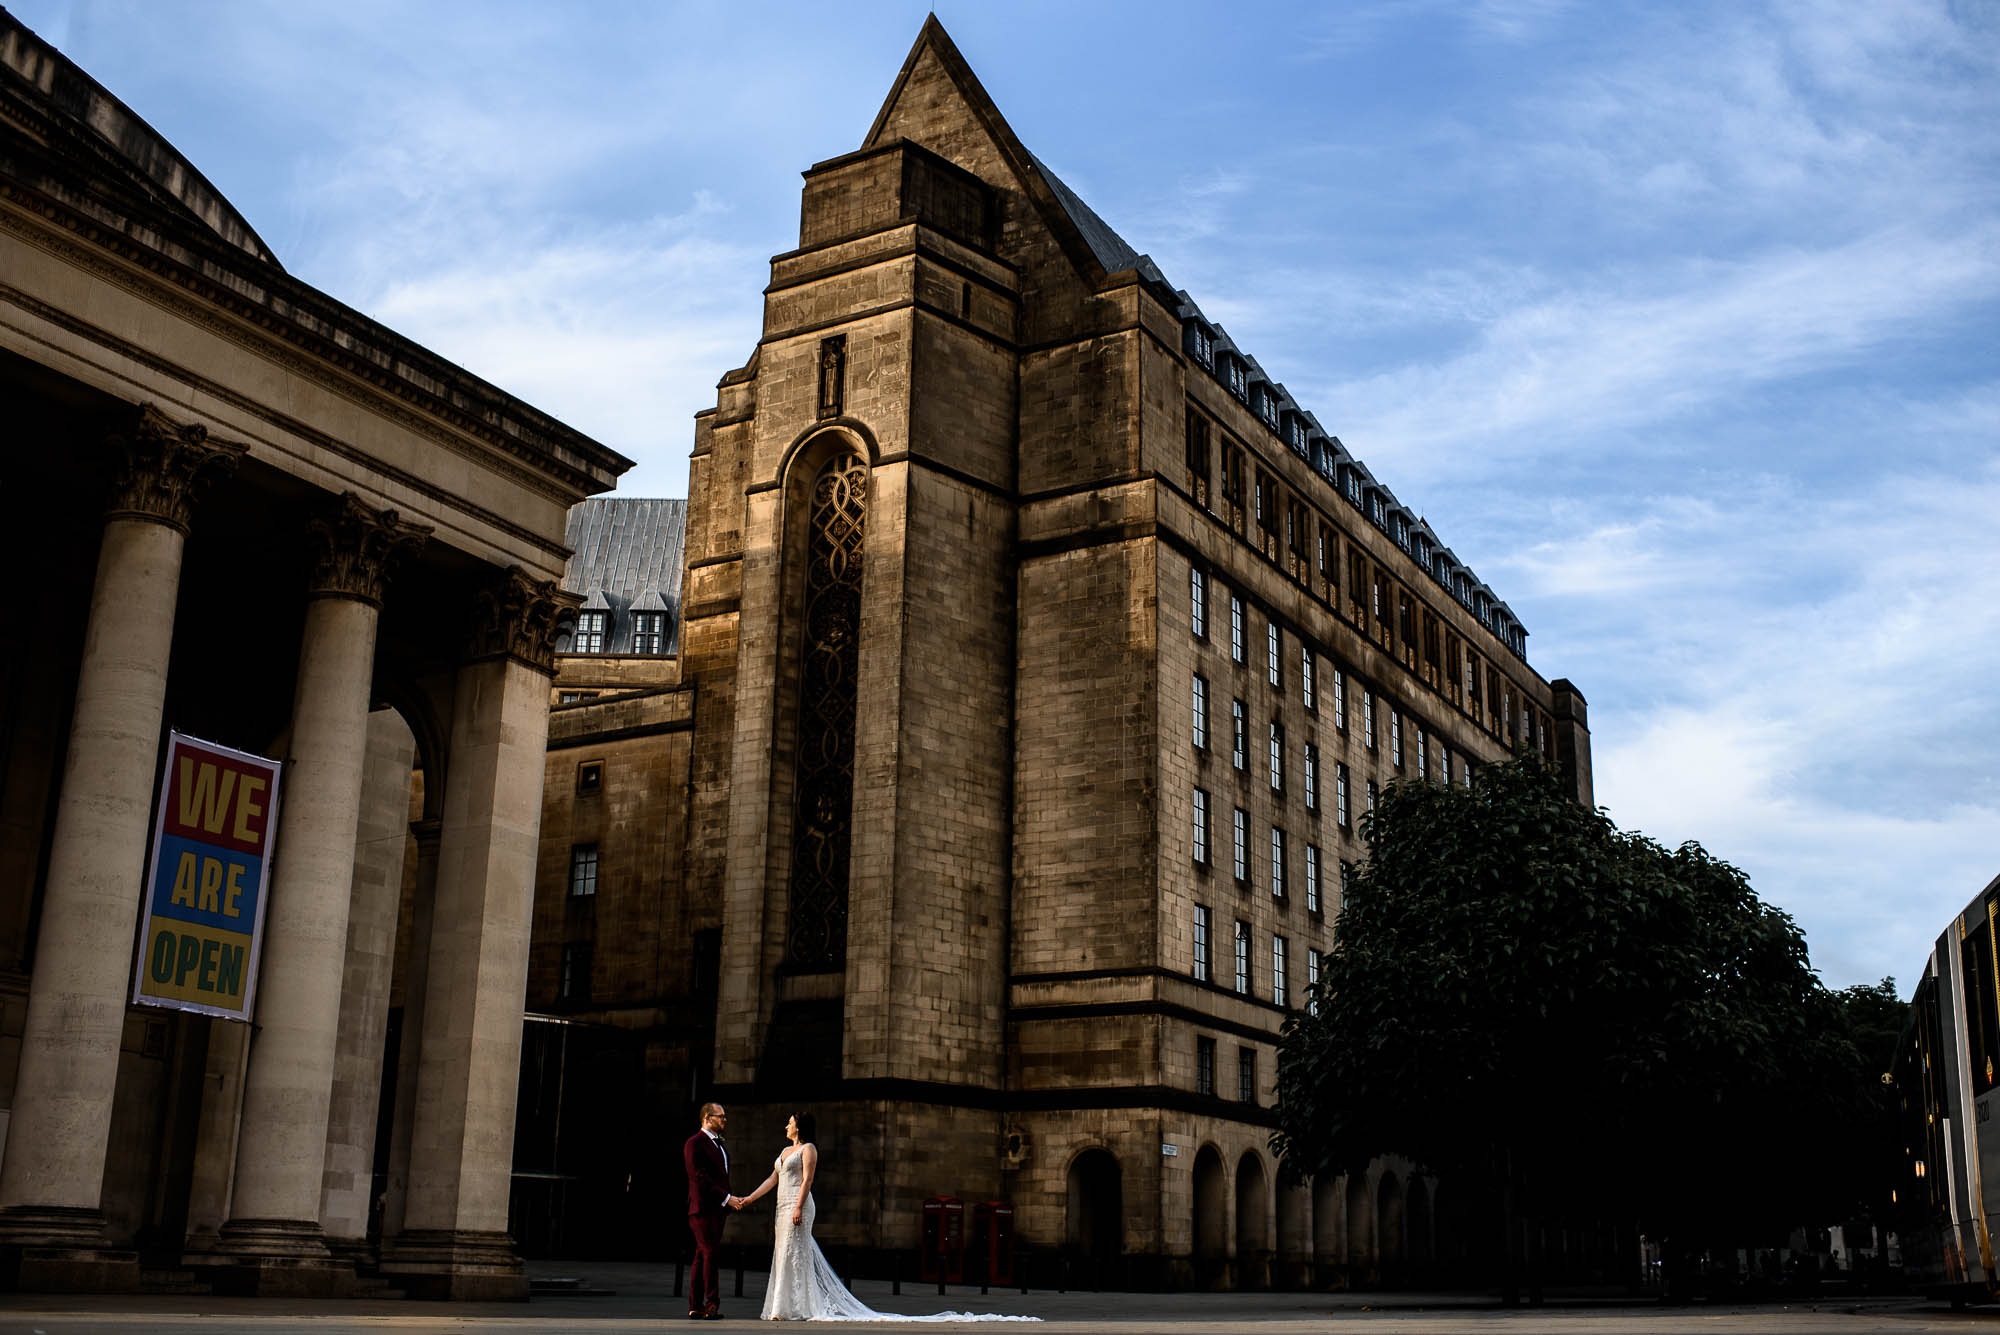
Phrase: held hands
pixel 733 1202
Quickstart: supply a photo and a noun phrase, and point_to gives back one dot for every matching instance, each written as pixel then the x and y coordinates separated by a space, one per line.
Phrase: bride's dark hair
pixel 807 1126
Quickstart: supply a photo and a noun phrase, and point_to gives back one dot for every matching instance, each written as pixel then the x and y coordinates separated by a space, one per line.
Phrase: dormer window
pixel 1267 406
pixel 1200 343
pixel 649 632
pixel 1235 377
pixel 590 631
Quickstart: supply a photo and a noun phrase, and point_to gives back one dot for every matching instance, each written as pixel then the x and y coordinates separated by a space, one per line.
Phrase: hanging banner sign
pixel 203 922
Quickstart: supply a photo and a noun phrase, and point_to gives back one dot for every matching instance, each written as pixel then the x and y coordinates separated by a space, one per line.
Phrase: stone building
pixel 239 509
pixel 1037 656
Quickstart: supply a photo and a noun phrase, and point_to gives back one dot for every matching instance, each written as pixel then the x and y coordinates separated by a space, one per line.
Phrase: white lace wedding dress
pixel 803 1286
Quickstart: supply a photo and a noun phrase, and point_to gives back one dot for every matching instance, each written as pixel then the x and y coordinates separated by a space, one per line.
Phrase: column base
pixel 62 1249
pixel 357 1252
pixel 455 1265
pixel 277 1258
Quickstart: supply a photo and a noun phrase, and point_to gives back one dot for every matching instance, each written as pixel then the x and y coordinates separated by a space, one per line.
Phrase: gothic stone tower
pixel 942 530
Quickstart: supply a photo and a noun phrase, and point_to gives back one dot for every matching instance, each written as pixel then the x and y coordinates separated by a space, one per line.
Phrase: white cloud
pixel 1804 687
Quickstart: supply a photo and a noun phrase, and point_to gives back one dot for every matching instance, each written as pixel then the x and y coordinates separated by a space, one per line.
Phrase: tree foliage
pixel 1627 1030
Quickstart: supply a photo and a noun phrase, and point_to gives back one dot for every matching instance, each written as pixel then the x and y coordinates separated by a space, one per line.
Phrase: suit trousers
pixel 705 1277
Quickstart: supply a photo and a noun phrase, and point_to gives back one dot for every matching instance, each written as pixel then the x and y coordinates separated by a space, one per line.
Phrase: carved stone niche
pixel 160 466
pixel 520 618
pixel 354 547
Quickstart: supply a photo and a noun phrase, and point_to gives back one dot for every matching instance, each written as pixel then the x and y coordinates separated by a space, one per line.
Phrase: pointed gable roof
pixel 1090 244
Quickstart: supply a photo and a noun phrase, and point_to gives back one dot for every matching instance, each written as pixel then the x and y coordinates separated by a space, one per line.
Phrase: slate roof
pixel 628 558
pixel 1330 456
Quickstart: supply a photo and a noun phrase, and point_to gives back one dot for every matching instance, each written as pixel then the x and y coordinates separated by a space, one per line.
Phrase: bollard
pixel 940 1280
pixel 739 1276
pixel 1023 1263
pixel 896 1277
pixel 679 1267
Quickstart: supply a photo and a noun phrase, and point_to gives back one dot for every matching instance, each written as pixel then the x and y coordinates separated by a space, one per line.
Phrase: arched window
pixel 816 940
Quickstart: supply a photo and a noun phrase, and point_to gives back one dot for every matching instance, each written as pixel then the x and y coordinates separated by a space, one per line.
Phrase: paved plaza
pixel 635 1297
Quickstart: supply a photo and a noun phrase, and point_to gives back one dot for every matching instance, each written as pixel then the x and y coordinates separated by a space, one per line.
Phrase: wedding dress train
pixel 803 1286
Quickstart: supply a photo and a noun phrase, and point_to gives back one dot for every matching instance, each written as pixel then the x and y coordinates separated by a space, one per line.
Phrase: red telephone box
pixel 993 1227
pixel 943 1255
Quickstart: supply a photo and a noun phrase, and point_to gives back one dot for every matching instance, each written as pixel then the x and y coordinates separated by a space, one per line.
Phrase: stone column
pixel 51 1221
pixel 348 1185
pixel 454 1241
pixel 416 954
pixel 274 1232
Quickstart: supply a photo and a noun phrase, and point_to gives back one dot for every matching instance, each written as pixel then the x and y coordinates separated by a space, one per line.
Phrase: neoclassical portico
pixel 253 515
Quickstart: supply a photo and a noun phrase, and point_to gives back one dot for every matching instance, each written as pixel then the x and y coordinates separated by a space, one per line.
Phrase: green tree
pixel 1519 992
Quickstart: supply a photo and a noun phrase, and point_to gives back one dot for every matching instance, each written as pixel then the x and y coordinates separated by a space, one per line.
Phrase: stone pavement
pixel 643 1301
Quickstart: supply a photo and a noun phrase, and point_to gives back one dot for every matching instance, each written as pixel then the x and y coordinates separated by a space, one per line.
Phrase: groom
pixel 707 1161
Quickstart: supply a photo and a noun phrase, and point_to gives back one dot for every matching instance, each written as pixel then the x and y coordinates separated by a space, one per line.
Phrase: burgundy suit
pixel 708 1189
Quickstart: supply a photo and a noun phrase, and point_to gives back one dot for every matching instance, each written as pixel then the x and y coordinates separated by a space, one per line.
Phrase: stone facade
pixel 247 513
pixel 991 736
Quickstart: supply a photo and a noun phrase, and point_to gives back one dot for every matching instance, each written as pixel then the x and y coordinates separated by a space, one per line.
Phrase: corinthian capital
pixel 517 617
pixel 159 465
pixel 353 547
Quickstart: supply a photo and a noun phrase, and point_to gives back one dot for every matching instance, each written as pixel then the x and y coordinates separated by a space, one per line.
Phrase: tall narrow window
pixel 1240 829
pixel 1312 878
pixel 1277 756
pixel 1277 863
pixel 583 869
pixel 1368 718
pixel 1340 794
pixel 1313 958
pixel 1201 826
pixel 1273 669
pixel 1444 764
pixel 1423 762
pixel 1204 1066
pixel 1198 603
pixel 1242 956
pixel 1373 793
pixel 1197 456
pixel 1239 741
pixel 1396 738
pixel 1306 676
pixel 1312 776
pixel 1200 704
pixel 1280 992
pixel 1202 970
pixel 1235 629
pixel 1246 1074
pixel 576 960
pixel 816 937
pixel 1340 699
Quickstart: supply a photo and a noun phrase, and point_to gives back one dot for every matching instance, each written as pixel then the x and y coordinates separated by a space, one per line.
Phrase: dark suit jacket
pixel 707 1174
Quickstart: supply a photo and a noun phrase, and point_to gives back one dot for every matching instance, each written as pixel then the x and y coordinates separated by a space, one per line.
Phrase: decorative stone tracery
pixel 822 828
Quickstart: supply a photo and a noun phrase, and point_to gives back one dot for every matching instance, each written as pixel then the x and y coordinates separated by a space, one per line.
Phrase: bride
pixel 803 1286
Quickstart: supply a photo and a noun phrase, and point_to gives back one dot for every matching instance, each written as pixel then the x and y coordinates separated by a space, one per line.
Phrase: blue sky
pixel 1681 324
